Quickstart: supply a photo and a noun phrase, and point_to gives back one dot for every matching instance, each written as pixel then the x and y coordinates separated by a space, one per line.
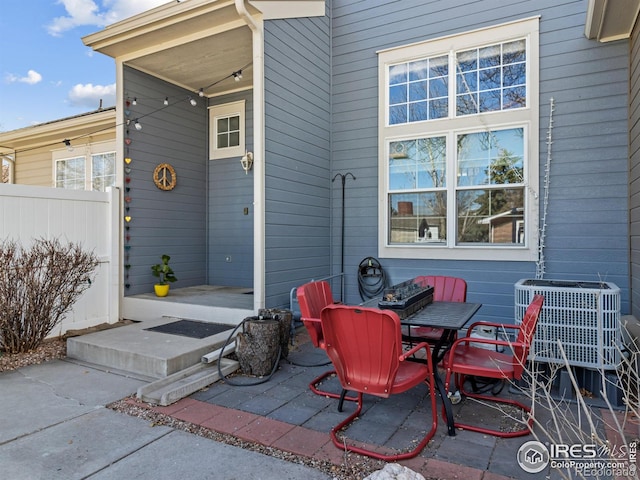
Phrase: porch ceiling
pixel 193 44
pixel 203 62
pixel 611 20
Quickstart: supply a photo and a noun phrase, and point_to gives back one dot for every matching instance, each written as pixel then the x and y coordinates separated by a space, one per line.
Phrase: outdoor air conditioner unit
pixel 584 316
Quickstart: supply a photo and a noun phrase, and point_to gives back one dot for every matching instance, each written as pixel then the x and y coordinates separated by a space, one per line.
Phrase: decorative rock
pixel 395 471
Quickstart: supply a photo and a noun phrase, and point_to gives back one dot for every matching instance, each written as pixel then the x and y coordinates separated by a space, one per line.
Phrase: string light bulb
pixel 67 142
pixel 201 92
pixel 135 101
pixel 193 102
pixel 166 101
pixel 237 76
pixel 137 124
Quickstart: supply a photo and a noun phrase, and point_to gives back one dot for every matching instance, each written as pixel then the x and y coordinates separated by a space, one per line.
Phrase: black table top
pixel 449 315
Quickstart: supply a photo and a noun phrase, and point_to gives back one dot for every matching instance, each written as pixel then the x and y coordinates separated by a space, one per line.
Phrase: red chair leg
pixel 341 396
pixel 342 445
pixel 488 398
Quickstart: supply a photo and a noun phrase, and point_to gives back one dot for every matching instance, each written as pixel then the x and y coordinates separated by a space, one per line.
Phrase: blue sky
pixel 46 72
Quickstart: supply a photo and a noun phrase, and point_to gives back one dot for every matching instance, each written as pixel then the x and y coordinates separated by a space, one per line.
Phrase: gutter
pixel 257 29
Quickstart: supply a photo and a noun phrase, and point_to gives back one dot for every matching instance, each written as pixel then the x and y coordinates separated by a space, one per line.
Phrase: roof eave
pixel 150 21
pixel 609 21
pixel 93 122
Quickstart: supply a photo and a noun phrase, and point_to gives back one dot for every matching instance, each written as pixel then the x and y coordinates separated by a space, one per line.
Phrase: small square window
pixel 227 130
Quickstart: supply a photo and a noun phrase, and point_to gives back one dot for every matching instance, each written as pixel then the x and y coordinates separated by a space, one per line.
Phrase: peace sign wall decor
pixel 164 176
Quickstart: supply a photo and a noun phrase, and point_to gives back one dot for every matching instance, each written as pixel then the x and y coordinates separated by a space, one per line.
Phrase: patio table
pixel 451 317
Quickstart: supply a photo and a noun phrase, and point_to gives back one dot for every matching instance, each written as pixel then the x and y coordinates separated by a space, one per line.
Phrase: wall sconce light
pixel 247 162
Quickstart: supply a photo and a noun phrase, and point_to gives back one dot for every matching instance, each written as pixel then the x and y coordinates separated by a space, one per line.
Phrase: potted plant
pixel 164 272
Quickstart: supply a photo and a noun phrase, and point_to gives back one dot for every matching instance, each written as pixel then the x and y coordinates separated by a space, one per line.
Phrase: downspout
pixel 258 155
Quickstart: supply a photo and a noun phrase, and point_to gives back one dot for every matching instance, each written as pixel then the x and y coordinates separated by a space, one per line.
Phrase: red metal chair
pixel 312 298
pixel 445 289
pixel 365 346
pixel 467 359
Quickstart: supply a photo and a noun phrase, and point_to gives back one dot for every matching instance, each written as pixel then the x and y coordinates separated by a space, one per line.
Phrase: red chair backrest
pixel 445 289
pixel 312 298
pixel 364 345
pixel 525 335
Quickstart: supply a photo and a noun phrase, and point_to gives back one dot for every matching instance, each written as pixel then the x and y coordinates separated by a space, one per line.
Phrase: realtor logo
pixel 533 457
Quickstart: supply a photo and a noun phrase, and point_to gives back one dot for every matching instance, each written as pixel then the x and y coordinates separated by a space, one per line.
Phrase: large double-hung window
pixel 459 146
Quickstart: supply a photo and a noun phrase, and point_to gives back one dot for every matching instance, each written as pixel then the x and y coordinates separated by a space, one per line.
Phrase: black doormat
pixel 191 328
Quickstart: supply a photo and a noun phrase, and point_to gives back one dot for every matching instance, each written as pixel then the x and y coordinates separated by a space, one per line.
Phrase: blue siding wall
pixel 297 163
pixel 587 228
pixel 230 235
pixel 634 170
pixel 164 222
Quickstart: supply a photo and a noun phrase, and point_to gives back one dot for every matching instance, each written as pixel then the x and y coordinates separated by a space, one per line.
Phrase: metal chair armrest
pixel 491 324
pixel 486 341
pixel 413 350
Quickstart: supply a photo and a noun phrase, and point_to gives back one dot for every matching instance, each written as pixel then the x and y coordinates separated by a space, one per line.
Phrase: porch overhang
pixel 190 44
pixel 609 20
pixel 194 44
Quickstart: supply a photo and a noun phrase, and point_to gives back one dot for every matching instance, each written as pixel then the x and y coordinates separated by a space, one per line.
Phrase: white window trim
pixel 226 110
pixel 85 151
pixel 527 117
pixel 8 160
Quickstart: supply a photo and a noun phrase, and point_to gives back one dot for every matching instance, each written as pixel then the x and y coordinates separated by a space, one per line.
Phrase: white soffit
pixel 276 9
pixel 609 20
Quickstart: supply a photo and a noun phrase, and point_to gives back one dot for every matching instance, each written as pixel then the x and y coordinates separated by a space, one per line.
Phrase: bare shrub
pixel 38 287
pixel 574 420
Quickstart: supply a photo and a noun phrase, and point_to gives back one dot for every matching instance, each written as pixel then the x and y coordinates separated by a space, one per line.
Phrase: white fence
pixel 88 218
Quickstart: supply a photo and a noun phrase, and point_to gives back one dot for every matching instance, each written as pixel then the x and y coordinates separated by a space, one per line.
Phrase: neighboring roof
pixel 56 131
pixel 508 213
pixel 611 20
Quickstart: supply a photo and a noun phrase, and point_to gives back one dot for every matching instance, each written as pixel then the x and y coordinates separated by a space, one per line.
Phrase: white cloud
pixel 89 95
pixel 97 13
pixel 32 78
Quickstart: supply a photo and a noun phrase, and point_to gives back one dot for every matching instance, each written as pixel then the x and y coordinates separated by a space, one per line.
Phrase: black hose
pixel 372 279
pixel 323 364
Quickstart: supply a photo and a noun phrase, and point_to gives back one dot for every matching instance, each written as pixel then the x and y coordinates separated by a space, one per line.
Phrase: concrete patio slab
pixel 54 425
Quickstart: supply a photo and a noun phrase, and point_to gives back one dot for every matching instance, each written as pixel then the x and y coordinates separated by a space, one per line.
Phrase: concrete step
pixel 132 348
pixel 179 385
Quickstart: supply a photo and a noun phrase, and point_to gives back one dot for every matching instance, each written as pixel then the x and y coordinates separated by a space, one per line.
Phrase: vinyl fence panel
pixel 90 219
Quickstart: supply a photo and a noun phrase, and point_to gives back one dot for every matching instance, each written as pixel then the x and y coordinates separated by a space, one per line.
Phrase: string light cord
pixel 540 264
pixel 166 104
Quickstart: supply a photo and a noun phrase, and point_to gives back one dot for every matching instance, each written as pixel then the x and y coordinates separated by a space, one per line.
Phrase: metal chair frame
pixel 365 346
pixel 468 360
pixel 312 298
